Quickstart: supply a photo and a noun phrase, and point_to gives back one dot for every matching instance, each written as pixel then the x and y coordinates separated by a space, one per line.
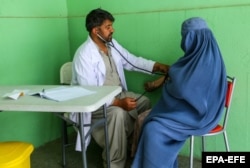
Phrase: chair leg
pixel 203 144
pixel 64 142
pixel 191 152
pixel 226 141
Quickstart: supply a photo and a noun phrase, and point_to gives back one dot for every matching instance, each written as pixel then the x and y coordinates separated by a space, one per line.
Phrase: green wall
pixel 33 45
pixel 37 37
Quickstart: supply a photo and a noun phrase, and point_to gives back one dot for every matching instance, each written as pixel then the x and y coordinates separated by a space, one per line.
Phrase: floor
pixel 49 156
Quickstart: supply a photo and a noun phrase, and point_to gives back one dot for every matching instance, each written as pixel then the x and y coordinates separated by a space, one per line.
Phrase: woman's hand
pixel 151 86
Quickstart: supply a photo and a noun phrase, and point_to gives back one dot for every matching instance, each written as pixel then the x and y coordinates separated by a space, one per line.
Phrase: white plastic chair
pixel 65 79
pixel 66 73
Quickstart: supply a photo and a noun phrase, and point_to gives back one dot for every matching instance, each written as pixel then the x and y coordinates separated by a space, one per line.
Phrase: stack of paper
pixel 15 94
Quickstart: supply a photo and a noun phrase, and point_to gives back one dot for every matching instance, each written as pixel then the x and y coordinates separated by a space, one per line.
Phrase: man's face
pixel 106 30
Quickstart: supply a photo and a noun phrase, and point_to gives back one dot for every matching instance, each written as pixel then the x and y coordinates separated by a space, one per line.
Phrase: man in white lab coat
pixel 101 60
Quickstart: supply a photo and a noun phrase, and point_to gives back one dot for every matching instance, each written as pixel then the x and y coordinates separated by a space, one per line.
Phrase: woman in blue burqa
pixel 192 99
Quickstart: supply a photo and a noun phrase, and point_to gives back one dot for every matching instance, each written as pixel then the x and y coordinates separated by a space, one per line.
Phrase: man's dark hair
pixel 96 17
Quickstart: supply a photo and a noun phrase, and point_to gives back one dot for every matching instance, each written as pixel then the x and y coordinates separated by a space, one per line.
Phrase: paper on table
pixel 15 94
pixel 63 93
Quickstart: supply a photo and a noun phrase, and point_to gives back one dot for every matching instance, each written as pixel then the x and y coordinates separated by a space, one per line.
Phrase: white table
pixel 89 103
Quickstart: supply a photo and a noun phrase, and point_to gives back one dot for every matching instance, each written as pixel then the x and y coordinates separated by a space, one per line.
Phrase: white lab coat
pixel 89 68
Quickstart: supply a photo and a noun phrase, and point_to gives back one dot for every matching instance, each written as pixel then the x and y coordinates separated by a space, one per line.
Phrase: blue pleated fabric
pixel 192 100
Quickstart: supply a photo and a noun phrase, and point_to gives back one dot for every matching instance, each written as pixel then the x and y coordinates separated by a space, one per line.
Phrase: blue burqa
pixel 192 99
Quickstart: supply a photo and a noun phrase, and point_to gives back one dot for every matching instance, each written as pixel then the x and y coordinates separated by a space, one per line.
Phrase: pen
pixel 140 95
pixel 43 93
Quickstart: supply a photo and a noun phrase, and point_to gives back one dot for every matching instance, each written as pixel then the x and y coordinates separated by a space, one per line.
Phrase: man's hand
pixel 158 67
pixel 126 103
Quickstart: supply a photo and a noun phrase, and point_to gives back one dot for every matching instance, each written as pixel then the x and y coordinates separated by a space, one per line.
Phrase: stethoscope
pixel 111 44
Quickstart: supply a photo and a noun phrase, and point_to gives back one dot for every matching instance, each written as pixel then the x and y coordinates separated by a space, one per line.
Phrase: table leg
pixel 106 135
pixel 81 130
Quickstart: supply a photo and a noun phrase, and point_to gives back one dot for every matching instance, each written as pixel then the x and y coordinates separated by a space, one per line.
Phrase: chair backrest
pixel 66 73
pixel 229 95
